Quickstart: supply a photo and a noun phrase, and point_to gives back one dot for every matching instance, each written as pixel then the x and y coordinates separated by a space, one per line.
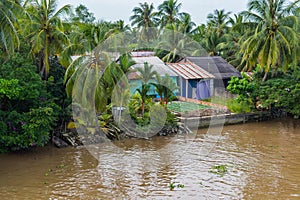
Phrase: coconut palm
pixel 169 11
pixel 84 38
pixel 45 30
pixel 186 24
pixel 198 34
pixel 9 39
pixel 146 74
pixel 174 45
pixel 121 26
pixel 219 20
pixel 170 88
pixel 83 15
pixel 144 17
pixel 212 43
pixel 165 88
pixel 273 43
pixel 107 74
pixel 231 41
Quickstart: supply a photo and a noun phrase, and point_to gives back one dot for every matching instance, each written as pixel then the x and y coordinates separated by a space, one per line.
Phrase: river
pixel 262 162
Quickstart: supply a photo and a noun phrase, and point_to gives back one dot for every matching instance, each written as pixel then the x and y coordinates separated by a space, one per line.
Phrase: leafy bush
pixel 244 89
pixel 9 88
pixel 135 109
pixel 281 92
pixel 28 112
pixel 25 130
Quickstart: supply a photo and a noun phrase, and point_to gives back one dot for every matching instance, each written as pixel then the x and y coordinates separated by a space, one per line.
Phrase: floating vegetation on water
pixel 172 185
pixel 48 171
pixel 60 166
pixel 219 169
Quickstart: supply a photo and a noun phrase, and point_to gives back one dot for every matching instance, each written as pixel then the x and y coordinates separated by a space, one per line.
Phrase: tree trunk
pixel 265 76
pixel 46 66
pixel 143 108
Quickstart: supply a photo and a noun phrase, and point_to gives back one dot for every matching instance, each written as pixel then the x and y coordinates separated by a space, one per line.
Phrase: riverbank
pixel 224 119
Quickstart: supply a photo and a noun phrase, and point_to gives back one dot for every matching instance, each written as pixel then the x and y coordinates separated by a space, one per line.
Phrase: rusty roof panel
pixel 189 70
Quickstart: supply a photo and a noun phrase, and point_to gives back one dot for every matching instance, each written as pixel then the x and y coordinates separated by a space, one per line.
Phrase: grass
pixel 178 106
pixel 218 100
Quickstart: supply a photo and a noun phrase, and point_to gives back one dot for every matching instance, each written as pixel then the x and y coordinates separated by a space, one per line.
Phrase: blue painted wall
pixel 135 84
pixel 191 84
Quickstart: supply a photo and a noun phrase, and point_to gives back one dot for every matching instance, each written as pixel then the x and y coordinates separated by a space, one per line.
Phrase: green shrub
pixel 281 92
pixel 28 110
pixel 244 88
pixel 237 106
pixel 25 130
pixel 9 88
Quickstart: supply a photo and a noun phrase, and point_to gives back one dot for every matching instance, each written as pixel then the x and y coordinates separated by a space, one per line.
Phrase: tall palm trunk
pixel 143 107
pixel 265 77
pixel 46 57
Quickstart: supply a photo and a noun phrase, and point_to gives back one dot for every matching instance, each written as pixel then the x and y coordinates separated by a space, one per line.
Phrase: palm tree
pixel 237 23
pixel 276 37
pixel 211 37
pixel 121 26
pixel 174 45
pixel 9 39
pixel 212 43
pixel 83 15
pixel 170 88
pixel 146 74
pixel 99 68
pixel 159 86
pixel 145 18
pixel 198 34
pixel 186 24
pixel 46 30
pixel 231 41
pixel 84 38
pixel 169 12
pixel 165 87
pixel 219 20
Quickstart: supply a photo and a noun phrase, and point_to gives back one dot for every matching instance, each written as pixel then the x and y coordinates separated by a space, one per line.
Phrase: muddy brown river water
pixel 262 161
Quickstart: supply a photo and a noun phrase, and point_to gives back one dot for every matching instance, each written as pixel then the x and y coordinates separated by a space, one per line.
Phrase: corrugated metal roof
pixel 158 65
pixel 142 53
pixel 215 65
pixel 189 70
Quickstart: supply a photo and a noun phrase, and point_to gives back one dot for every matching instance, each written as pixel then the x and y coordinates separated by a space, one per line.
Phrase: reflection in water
pixel 263 161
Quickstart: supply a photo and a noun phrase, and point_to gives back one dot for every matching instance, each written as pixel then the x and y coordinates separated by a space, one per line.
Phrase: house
pixel 158 65
pixel 194 81
pixel 218 67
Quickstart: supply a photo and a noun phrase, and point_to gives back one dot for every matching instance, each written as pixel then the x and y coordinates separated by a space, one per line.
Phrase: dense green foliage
pixel 28 112
pixel 279 94
pixel 152 111
pixel 242 87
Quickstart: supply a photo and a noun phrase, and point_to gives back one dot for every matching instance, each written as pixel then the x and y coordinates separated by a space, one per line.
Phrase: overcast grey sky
pixel 112 10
